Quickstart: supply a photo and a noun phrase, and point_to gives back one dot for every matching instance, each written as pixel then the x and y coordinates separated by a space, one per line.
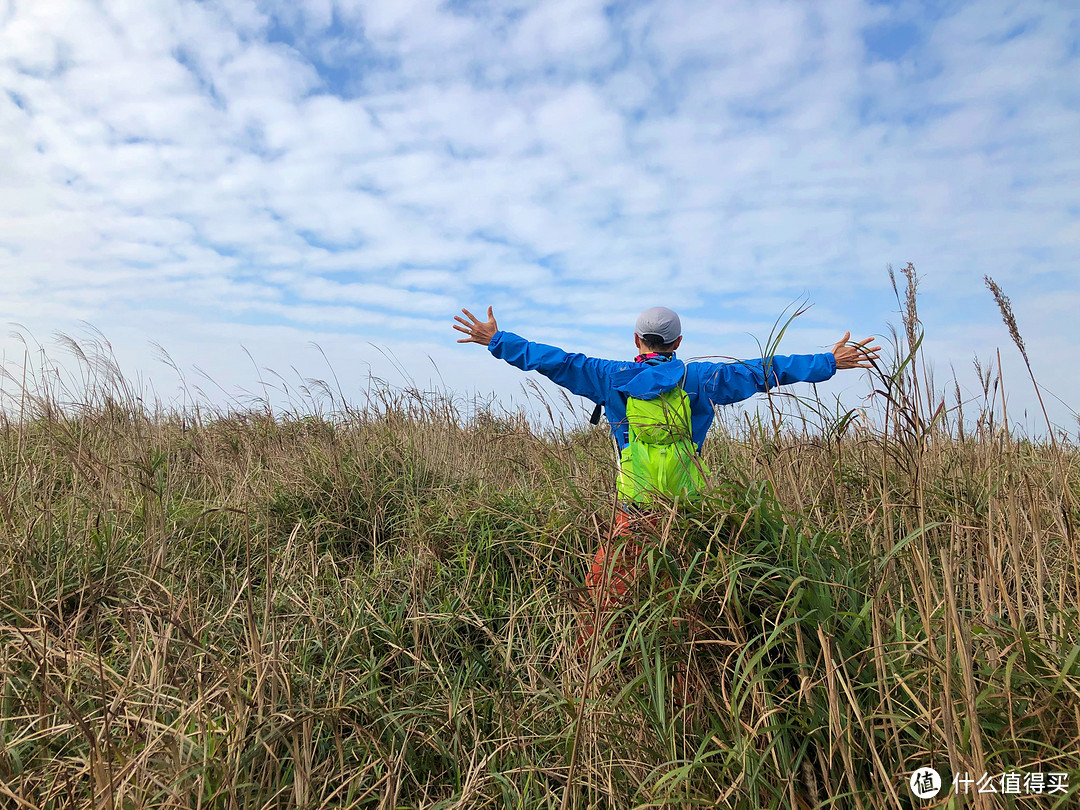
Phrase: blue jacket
pixel 609 382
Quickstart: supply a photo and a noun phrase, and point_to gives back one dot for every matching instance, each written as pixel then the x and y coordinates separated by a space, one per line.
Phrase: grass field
pixel 380 608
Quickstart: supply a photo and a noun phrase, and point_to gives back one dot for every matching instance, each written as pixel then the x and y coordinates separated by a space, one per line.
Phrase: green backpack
pixel 661 457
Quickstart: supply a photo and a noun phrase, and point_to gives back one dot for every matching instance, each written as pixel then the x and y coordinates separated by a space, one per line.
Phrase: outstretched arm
pixel 581 375
pixel 733 382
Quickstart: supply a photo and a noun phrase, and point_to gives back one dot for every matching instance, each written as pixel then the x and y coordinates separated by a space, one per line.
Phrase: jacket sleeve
pixel 726 383
pixel 581 375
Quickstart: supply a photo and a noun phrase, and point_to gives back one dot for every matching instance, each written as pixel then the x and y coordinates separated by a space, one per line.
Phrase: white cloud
pixel 572 160
pixel 562 29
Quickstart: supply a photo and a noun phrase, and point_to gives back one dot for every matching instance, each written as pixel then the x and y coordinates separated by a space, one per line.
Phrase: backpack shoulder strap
pixel 682 385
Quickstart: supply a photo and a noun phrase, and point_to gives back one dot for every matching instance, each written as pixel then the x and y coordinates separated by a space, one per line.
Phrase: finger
pixel 466 340
pixel 845 338
pixel 474 318
pixel 491 315
pixel 463 329
pixel 461 320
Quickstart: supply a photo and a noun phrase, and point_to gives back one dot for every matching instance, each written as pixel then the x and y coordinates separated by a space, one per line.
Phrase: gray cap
pixel 659 321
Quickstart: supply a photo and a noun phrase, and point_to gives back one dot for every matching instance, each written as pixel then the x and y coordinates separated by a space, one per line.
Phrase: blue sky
pixel 228 175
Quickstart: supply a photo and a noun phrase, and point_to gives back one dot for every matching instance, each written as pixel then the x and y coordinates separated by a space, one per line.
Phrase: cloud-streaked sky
pixel 230 174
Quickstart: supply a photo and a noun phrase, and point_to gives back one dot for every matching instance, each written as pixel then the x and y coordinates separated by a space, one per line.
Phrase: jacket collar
pixel 643 381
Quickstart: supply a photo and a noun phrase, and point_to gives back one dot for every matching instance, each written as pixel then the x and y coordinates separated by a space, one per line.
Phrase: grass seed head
pixel 1007 314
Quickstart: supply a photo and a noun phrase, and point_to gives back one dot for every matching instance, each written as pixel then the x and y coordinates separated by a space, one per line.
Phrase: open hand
pixel 856 355
pixel 477 330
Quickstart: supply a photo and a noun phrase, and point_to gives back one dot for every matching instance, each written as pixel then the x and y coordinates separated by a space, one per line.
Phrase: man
pixel 654 374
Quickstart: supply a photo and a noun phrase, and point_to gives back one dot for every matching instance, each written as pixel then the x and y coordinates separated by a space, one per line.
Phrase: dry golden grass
pixel 380 607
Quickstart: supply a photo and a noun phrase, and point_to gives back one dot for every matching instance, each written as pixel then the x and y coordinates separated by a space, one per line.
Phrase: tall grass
pixel 380 606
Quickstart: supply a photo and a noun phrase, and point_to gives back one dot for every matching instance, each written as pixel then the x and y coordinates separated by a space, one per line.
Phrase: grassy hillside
pixel 381 609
